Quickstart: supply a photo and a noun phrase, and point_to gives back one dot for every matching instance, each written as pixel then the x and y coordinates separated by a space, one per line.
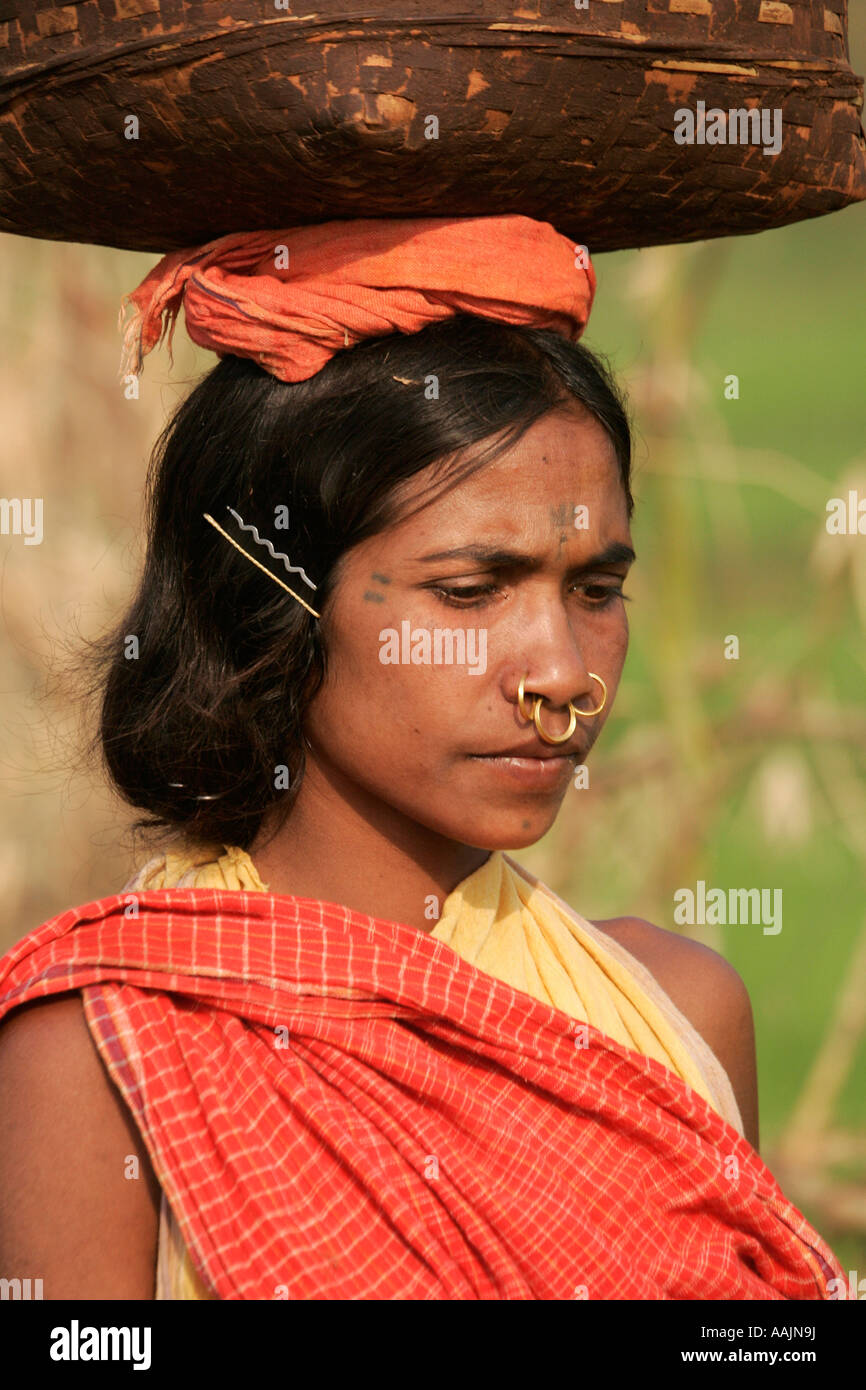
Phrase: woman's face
pixel 411 730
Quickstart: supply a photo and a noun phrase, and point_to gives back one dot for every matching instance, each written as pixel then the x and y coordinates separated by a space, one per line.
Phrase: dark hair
pixel 226 661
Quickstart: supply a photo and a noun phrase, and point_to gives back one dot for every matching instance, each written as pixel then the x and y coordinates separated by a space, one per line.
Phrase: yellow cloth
pixel 506 922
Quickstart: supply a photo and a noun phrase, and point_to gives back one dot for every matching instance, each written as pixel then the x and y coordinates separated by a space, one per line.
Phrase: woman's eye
pixel 602 594
pixel 473 595
pixel 461 598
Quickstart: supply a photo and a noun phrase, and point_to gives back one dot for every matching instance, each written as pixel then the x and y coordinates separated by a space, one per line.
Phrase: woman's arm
pixel 69 1214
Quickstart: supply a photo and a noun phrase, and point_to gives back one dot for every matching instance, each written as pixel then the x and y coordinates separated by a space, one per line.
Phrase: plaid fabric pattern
pixel 341 1107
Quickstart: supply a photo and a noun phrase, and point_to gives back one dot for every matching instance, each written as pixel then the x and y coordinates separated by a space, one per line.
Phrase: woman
pixel 334 1041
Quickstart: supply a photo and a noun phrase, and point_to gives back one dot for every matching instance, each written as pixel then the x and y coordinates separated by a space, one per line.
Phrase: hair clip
pixel 214 796
pixel 277 555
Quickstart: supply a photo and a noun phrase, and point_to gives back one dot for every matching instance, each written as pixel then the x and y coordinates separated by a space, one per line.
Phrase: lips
pixel 532 750
pixel 539 771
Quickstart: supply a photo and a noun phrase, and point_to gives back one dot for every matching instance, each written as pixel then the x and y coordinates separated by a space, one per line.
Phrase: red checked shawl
pixel 427 1132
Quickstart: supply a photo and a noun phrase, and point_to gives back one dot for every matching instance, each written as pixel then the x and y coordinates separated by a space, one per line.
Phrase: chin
pixel 509 832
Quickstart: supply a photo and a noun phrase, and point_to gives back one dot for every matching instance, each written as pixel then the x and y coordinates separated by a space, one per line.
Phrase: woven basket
pixel 249 117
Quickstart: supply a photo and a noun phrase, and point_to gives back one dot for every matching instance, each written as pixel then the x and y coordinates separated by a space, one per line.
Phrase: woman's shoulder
pixel 78 1198
pixel 709 991
pixel 677 962
pixel 46 1044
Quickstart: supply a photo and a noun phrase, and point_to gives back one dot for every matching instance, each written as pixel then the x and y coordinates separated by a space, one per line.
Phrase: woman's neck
pixel 341 845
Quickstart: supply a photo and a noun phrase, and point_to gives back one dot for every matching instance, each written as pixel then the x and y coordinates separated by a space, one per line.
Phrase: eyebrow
pixel 495 556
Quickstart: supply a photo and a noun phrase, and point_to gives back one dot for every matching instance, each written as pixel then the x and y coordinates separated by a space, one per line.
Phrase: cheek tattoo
pixel 370 595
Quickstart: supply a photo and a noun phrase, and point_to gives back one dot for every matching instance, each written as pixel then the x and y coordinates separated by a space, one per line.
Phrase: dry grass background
pixel 70 437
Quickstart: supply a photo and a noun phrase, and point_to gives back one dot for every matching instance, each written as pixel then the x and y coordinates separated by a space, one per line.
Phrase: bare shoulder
pixel 72 1210
pixel 678 963
pixel 710 992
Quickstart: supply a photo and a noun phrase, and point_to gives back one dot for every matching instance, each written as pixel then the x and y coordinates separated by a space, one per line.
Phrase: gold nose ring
pixel 535 714
pixel 521 700
pixel 554 738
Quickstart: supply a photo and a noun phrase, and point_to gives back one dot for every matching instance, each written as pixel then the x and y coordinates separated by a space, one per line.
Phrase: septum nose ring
pixel 535 713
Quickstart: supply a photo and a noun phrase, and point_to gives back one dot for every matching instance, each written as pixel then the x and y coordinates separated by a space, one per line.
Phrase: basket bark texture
pixel 159 124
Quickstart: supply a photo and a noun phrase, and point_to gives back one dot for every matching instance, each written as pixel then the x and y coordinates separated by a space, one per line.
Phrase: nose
pixel 554 668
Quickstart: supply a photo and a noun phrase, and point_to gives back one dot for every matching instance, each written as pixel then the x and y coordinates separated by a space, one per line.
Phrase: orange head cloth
pixel 291 299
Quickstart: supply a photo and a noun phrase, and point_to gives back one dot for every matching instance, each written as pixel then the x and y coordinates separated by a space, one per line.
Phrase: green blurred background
pixel 744 773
